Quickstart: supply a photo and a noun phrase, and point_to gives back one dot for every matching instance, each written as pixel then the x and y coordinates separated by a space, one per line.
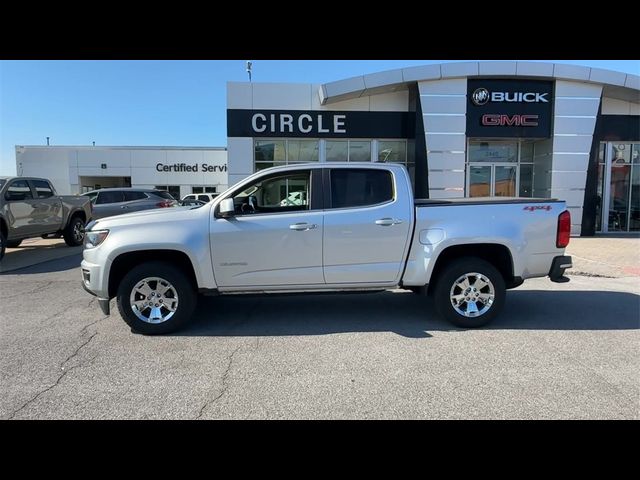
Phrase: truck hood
pixel 173 214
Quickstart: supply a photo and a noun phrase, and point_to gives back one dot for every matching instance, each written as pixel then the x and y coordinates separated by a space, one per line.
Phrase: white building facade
pixel 467 129
pixel 79 169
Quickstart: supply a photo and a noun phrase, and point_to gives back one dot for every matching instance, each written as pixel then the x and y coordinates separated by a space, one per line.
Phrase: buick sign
pixel 481 96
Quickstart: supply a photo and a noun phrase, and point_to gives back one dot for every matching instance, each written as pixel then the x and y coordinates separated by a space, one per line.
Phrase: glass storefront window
pixel 359 151
pixel 621 153
pixel 526 181
pixel 635 153
pixel 392 151
pixel 302 151
pixel 493 151
pixel 337 150
pixel 270 151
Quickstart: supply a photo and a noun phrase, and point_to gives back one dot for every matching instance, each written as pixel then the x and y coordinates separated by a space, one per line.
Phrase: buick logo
pixel 480 96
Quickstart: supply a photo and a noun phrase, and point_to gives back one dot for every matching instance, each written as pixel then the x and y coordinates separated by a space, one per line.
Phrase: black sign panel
pixel 509 108
pixel 323 124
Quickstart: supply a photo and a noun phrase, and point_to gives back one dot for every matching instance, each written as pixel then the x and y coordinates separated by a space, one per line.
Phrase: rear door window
pixel 43 189
pixel 110 197
pixel 131 195
pixel 359 187
pixel 203 198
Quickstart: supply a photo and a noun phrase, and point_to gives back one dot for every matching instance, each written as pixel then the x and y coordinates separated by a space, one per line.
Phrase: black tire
pixel 12 243
pixel 448 277
pixel 3 244
pixel 187 298
pixel 72 235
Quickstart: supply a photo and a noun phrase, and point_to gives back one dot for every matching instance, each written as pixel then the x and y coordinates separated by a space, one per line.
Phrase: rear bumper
pixel 558 266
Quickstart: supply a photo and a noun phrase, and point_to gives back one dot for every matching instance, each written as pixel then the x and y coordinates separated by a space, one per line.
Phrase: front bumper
pixel 93 283
pixel 558 266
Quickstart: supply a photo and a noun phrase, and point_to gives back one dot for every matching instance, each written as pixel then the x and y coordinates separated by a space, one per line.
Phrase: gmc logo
pixel 501 120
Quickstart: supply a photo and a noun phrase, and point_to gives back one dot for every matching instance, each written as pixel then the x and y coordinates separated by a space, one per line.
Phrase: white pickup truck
pixel 339 227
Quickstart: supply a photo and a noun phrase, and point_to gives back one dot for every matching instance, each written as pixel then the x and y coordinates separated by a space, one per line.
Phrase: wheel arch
pixel 124 262
pixel 78 212
pixel 496 254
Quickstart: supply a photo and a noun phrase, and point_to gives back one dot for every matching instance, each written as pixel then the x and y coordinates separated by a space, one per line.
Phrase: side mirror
pixel 227 208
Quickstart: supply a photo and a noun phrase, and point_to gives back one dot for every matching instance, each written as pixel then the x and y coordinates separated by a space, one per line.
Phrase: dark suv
pixel 108 202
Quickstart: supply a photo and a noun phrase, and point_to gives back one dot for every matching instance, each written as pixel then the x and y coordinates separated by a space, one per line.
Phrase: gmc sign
pixel 509 108
pixel 493 119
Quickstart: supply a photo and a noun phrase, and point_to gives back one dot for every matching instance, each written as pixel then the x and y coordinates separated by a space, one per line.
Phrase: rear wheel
pixel 469 292
pixel 156 298
pixel 13 243
pixel 74 233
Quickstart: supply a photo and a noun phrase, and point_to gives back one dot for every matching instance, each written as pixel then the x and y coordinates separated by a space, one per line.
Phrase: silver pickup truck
pixel 324 227
pixel 30 207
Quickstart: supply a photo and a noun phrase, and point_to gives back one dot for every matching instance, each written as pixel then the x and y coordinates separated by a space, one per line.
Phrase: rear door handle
pixel 302 226
pixel 124 206
pixel 387 222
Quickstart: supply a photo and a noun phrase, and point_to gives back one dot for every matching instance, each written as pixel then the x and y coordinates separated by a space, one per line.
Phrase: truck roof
pixel 23 178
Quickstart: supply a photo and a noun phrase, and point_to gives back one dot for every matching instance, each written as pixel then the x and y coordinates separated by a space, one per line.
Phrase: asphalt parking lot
pixel 558 351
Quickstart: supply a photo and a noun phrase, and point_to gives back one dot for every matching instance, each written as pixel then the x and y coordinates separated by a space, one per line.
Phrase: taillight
pixel 164 204
pixel 564 229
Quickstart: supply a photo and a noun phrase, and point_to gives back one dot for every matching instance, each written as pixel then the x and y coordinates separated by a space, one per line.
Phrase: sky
pixel 169 103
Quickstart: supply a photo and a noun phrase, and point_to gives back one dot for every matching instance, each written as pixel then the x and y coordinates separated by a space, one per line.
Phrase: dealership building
pixel 79 169
pixel 468 129
pixel 465 129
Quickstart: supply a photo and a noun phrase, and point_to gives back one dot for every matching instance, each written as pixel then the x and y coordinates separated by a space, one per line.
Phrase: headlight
pixel 94 238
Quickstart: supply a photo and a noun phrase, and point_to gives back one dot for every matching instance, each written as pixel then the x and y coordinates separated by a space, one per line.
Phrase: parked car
pixel 185 202
pixel 108 202
pixel 203 197
pixel 356 228
pixel 30 207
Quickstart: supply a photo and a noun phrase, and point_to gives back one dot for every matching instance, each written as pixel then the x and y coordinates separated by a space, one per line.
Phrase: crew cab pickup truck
pixel 337 227
pixel 30 207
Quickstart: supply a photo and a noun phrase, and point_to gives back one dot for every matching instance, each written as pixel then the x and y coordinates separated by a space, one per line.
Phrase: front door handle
pixel 387 222
pixel 302 226
pixel 124 206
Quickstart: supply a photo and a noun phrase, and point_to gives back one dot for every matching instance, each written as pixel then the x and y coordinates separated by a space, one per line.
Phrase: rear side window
pixel 43 189
pixel 203 198
pixel 129 196
pixel 358 187
pixel 165 195
pixel 109 197
pixel 18 190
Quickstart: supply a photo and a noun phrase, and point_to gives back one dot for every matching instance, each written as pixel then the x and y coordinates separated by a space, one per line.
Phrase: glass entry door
pixel 492 180
pixel 619 187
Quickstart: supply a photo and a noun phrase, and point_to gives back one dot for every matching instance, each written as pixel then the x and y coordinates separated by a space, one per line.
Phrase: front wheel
pixel 74 233
pixel 156 298
pixel 469 292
